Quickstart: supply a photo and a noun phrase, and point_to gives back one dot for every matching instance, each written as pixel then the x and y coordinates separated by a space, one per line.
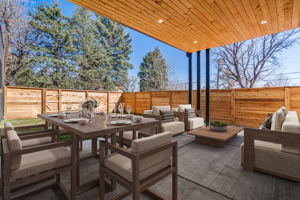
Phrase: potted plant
pixel 218 126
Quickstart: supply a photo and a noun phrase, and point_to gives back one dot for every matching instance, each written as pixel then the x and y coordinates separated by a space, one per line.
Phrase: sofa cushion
pixel 156 109
pixel 277 120
pixel 268 156
pixel 175 127
pixel 14 144
pixel 148 112
pixel 190 112
pixel 195 122
pixel 36 141
pixel 41 161
pixel 267 123
pixel 182 107
pixel 123 166
pixel 291 125
pixel 167 116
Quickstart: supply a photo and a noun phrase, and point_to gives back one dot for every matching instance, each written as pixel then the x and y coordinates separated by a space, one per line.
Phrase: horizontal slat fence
pixel 245 107
pixel 22 102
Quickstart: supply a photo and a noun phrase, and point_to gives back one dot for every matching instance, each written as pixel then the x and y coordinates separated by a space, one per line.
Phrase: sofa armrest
pixel 252 134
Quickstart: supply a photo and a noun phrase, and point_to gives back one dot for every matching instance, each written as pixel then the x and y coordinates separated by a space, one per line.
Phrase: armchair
pixel 192 118
pixel 24 166
pixel 150 160
pixel 29 136
pixel 176 126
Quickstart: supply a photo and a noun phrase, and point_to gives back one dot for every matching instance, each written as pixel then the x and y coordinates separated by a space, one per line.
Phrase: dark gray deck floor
pixel 205 172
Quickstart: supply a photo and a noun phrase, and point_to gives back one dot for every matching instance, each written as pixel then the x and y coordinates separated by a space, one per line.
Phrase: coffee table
pixel 205 136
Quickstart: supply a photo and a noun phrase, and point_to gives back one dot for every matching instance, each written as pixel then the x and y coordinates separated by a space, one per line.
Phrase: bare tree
pixel 13 21
pixel 244 64
pixel 277 81
pixel 132 84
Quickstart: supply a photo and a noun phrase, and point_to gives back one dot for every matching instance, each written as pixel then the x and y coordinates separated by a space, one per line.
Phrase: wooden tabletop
pixel 206 133
pixel 97 126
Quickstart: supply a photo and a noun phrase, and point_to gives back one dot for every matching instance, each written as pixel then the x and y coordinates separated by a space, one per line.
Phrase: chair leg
pixel 136 195
pixel 101 186
pixel 6 177
pixel 174 186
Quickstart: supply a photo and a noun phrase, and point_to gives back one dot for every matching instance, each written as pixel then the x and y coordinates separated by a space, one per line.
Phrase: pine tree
pixel 117 45
pixel 153 72
pixel 51 47
pixel 90 57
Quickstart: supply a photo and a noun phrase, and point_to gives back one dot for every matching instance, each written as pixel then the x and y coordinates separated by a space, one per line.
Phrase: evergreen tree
pixel 51 47
pixel 90 57
pixel 153 72
pixel 117 45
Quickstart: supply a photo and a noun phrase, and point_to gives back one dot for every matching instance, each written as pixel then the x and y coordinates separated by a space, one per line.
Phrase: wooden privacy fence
pixel 23 102
pixel 245 107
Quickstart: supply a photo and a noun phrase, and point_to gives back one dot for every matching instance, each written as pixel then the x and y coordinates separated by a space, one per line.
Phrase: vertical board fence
pixel 245 107
pixel 23 102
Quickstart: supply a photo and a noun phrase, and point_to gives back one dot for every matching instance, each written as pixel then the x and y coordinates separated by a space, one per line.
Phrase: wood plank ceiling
pixel 193 25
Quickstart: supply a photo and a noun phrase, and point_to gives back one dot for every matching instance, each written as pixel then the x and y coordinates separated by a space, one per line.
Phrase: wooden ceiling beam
pixel 194 25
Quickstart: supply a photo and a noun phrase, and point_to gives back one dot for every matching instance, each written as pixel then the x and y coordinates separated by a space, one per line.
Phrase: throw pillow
pixel 191 112
pixel 267 123
pixel 277 120
pixel 167 116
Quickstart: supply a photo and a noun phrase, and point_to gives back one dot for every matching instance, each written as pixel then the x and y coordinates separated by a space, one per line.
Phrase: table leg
pixel 134 134
pixel 113 141
pixel 121 139
pixel 75 164
pixel 94 145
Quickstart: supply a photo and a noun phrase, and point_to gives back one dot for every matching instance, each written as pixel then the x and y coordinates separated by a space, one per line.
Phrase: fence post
pixel 43 101
pixel 59 100
pixel 107 104
pixel 232 106
pixel 134 102
pixel 171 99
pixel 5 103
pixel 287 98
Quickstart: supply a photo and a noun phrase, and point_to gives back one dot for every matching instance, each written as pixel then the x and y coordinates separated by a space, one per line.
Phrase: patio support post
pixel 189 55
pixel 207 111
pixel 198 81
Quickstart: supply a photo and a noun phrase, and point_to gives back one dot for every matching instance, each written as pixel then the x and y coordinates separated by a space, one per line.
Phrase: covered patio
pixel 204 171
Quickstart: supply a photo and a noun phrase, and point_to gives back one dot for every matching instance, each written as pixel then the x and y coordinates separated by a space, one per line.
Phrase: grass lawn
pixel 23 122
pixel 27 122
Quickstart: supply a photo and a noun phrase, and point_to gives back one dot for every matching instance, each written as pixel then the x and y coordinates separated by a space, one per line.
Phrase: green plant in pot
pixel 218 126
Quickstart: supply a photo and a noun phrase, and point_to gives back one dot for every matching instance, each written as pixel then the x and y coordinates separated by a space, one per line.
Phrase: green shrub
pixel 218 123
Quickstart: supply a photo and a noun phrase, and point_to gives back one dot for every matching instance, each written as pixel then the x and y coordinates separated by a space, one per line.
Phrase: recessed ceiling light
pixel 264 22
pixel 195 42
pixel 160 21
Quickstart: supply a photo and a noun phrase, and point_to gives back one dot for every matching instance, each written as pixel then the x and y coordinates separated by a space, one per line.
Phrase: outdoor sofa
pixel 275 151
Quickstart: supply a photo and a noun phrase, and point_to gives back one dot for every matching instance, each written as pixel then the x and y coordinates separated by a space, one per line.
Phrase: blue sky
pixel 141 44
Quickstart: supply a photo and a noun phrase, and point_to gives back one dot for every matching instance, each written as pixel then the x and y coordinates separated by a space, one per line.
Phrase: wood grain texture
pixel 210 23
pixel 23 102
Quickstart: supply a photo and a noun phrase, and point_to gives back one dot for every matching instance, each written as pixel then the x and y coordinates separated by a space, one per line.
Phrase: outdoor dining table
pixel 97 127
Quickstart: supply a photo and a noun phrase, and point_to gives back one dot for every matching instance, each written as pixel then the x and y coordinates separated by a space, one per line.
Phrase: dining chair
pixel 150 160
pixel 26 166
pixel 32 135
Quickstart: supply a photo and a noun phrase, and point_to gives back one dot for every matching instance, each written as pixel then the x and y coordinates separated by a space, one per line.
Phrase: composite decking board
pixel 205 172
pixel 219 169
